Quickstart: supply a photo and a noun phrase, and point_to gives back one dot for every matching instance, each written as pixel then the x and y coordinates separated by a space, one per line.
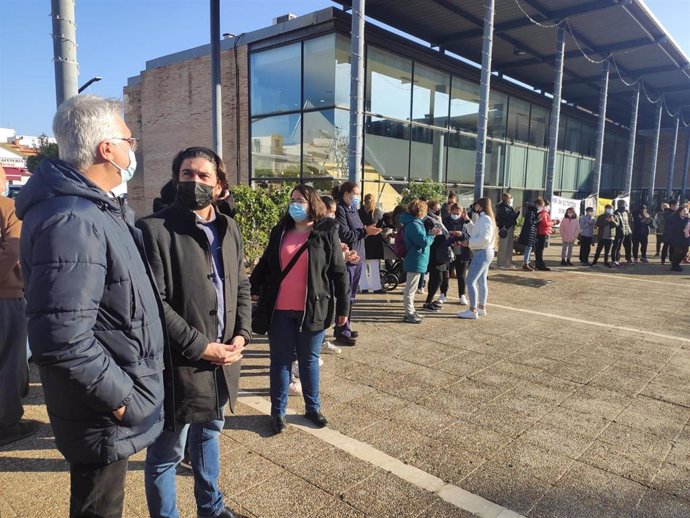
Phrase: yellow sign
pixel 601 203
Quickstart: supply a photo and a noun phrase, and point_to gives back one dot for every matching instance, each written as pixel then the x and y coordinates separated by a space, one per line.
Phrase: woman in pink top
pixel 570 228
pixel 299 274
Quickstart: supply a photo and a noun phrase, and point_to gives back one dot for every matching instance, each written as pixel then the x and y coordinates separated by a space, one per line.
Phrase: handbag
pixel 261 319
pixel 503 233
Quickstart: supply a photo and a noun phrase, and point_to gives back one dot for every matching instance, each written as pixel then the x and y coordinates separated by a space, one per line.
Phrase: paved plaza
pixel 570 399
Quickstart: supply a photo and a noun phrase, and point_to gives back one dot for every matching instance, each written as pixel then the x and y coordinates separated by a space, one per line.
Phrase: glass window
pixel 495 159
pixel 497 114
pixel 536 168
pixel 462 152
pixel 428 154
pixel 326 140
pixel 539 117
pixel 572 135
pixel 275 79
pixel 518 120
pixel 326 72
pixel 386 149
pixel 464 105
pixel 276 146
pixel 389 84
pixel 587 140
pixel 430 95
pixel 516 166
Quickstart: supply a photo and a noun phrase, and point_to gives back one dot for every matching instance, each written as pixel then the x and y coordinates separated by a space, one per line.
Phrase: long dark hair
pixel 487 207
pixel 317 208
pixel 344 188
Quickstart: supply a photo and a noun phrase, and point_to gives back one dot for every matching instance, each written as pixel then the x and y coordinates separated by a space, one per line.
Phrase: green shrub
pixel 428 188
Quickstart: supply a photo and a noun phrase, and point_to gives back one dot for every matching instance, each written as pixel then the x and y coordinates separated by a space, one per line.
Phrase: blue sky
pixel 117 37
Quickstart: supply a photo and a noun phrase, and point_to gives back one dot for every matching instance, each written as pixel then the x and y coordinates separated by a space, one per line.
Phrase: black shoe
pixel 278 424
pixel 593 263
pixel 543 268
pixel 563 262
pixel 584 263
pixel 569 263
pixel 379 292
pixel 354 334
pixel 225 513
pixel 608 264
pixel 317 418
pixel 347 341
pixel 676 269
pixel 429 307
pixel 19 431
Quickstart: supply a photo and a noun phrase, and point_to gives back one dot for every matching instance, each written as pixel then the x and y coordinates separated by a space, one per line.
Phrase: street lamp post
pixel 89 83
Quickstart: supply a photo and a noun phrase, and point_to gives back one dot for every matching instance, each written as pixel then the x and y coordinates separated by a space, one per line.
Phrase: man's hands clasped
pixel 224 354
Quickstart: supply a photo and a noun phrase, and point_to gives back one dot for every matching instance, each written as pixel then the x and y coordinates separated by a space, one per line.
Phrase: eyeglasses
pixel 133 142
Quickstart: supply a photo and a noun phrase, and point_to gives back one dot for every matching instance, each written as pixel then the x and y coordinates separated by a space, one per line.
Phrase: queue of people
pixel 138 330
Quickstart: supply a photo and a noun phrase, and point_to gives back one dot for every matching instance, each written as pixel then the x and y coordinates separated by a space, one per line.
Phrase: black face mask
pixel 194 195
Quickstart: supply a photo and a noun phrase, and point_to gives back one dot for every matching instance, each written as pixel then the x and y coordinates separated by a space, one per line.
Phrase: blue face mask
pixel 355 201
pixel 297 212
pixel 127 173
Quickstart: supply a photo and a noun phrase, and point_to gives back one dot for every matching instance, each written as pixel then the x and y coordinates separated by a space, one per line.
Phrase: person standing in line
pixel 439 258
pixel 659 224
pixel 461 254
pixel 606 230
pixel 298 275
pixel 676 227
pixel 352 232
pixel 544 229
pixel 587 223
pixel 481 241
pixel 506 217
pixel 197 256
pixel 14 372
pixel 640 235
pixel 623 234
pixel 95 317
pixel 569 230
pixel 667 248
pixel 373 246
pixel 418 242
pixel 445 208
pixel 528 234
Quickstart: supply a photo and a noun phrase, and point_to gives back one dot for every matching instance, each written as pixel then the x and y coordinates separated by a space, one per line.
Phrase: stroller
pixel 392 273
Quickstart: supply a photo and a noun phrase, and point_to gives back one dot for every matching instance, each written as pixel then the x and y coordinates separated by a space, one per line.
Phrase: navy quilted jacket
pixel 95 320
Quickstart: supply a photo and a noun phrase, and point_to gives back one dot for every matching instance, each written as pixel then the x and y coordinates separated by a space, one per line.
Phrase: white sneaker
pixel 463 300
pixel 330 348
pixel 442 299
pixel 295 388
pixel 470 315
pixel 481 312
pixel 320 362
pixel 295 370
pixel 421 292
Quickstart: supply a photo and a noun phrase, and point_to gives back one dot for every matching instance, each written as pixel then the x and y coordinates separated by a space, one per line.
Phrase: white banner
pixel 560 205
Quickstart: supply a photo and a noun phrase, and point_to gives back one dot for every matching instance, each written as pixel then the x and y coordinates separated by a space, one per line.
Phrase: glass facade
pixel 420 123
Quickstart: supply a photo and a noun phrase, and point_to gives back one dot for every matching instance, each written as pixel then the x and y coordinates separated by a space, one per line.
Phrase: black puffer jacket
pixel 181 260
pixel 95 319
pixel 326 269
pixel 528 233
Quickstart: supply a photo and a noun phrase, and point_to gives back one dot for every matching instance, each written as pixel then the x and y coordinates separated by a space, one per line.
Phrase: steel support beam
pixel 601 128
pixel 555 113
pixel 216 90
pixel 655 155
pixel 64 50
pixel 672 166
pixel 686 171
pixel 484 92
pixel 631 139
pixel 356 92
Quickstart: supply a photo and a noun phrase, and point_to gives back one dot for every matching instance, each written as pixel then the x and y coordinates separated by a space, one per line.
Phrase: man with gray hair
pixel 95 317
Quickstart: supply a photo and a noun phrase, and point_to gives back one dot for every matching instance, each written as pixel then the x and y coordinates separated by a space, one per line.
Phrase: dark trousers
pixel 539 251
pixel 618 243
pixel 677 255
pixel 354 273
pixel 97 490
pixel 460 268
pixel 640 244
pixel 585 248
pixel 606 245
pixel 659 242
pixel 14 372
pixel 666 251
pixel 437 279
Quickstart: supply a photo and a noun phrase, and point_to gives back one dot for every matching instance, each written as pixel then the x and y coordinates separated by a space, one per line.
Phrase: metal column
pixel 686 170
pixel 484 92
pixel 601 129
pixel 631 140
pixel 555 113
pixel 356 93
pixel 64 50
pixel 216 94
pixel 672 167
pixel 655 156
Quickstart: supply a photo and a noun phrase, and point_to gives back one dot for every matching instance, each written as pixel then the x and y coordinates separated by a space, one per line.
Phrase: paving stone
pixel 289 447
pixel 443 509
pixel 243 470
pixel 671 394
pixel 534 461
pixel 421 419
pixel 336 508
pixel 656 417
pixel 350 419
pixel 473 438
pixel 386 496
pixel 391 438
pixel 446 461
pixel 674 480
pixel 557 440
pixel 605 403
pixel 655 504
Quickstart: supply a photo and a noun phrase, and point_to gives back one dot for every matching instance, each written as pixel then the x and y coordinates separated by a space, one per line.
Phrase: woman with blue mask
pixel 353 233
pixel 300 271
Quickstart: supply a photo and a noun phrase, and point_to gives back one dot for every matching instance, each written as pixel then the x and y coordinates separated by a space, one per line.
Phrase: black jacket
pixel 373 245
pixel 351 229
pixel 675 226
pixel 506 216
pixel 95 319
pixel 181 261
pixel 528 233
pixel 326 277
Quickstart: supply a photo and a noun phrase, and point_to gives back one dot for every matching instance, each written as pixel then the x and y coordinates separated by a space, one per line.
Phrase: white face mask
pixel 609 211
pixel 455 216
pixel 127 173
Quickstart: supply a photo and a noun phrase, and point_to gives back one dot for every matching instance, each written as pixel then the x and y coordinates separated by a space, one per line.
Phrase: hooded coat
pixel 95 318
pixel 418 242
pixel 528 233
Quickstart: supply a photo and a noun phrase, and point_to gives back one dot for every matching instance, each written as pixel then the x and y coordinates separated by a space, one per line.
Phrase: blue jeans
pixel 528 252
pixel 162 458
pixel 354 273
pixel 476 275
pixel 287 342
